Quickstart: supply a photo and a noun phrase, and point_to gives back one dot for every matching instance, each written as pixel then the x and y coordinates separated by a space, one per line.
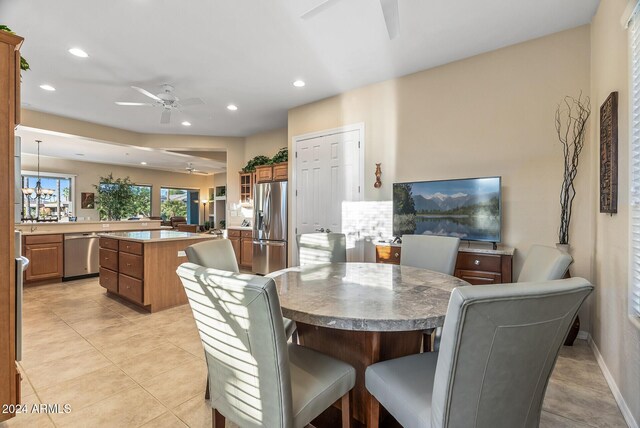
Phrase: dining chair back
pixel 317 248
pixel 499 346
pixel 214 253
pixel 257 379
pixel 544 263
pixel 437 253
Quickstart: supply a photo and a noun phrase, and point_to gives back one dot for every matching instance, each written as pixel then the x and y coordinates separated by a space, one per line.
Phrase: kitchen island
pixel 141 266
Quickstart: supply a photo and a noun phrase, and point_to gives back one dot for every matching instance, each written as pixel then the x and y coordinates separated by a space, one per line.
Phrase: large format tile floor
pixel 117 366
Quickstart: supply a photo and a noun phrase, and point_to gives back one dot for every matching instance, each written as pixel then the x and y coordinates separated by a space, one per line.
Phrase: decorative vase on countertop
pixel 565 248
pixel 575 328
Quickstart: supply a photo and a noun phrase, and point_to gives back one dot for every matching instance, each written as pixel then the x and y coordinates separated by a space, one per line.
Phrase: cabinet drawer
pixel 131 265
pixel 233 233
pixel 280 172
pixel 478 262
pixel 109 243
pixel 130 288
pixel 109 259
pixel 388 254
pixel 131 247
pixel 42 239
pixel 109 279
pixel 264 174
pixel 475 277
pixel 247 234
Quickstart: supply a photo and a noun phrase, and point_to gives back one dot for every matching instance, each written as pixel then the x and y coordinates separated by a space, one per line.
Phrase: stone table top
pixel 365 296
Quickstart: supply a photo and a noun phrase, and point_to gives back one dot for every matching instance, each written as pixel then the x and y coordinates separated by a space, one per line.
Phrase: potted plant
pixel 571 126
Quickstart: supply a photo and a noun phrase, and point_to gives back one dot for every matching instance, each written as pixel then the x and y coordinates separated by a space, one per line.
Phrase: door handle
pixel 320 229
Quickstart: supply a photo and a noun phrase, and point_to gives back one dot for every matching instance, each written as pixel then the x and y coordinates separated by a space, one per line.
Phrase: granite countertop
pixel 240 227
pixel 475 247
pixel 365 296
pixel 157 236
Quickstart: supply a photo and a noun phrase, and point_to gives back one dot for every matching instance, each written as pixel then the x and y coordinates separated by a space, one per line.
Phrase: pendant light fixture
pixel 38 193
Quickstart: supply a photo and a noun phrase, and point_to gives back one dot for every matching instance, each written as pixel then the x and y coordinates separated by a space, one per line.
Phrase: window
pixel 56 206
pixel 179 203
pixel 634 167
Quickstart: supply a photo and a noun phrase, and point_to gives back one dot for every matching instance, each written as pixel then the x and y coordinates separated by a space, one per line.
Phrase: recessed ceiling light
pixel 185 123
pixel 299 83
pixel 232 107
pixel 47 87
pixel 143 163
pixel 78 52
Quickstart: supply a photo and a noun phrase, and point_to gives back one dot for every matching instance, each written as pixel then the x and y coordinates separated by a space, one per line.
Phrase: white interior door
pixel 327 174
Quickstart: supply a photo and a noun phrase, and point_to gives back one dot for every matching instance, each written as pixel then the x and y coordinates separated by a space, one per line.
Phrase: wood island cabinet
pixel 476 266
pixel 144 273
pixel 46 258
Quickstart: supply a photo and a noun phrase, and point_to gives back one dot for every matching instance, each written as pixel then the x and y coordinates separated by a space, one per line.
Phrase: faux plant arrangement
pixel 571 120
pixel 24 65
pixel 114 197
pixel 281 156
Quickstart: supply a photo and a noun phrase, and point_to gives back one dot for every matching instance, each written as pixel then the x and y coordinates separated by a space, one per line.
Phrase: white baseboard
pixel 624 409
pixel 583 335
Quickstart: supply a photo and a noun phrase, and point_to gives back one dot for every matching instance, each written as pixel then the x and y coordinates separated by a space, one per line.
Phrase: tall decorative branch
pixel 571 120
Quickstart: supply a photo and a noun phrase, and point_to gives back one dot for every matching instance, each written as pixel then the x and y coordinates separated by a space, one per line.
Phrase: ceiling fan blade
pixel 147 93
pixel 391 17
pixel 318 9
pixel 166 116
pixel 191 102
pixel 127 103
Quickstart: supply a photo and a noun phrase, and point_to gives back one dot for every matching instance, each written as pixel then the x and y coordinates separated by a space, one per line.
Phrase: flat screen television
pixel 469 208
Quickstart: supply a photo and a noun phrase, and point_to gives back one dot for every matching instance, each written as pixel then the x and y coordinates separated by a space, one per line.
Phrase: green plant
pixel 256 161
pixel 281 156
pixel 114 197
pixel 24 65
pixel 173 208
pixel 223 224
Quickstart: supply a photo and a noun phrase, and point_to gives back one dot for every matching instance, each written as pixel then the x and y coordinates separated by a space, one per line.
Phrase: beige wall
pixel 616 337
pixel 88 174
pixel 265 143
pixel 492 114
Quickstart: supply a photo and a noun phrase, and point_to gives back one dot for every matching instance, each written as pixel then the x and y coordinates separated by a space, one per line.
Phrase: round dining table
pixel 362 313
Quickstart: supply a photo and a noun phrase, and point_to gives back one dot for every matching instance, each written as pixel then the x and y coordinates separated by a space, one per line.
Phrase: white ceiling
pixel 248 52
pixel 57 145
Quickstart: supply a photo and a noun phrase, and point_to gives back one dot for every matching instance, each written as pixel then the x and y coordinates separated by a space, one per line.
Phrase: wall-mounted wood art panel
pixel 609 155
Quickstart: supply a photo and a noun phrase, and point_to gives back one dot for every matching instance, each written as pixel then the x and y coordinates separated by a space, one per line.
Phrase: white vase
pixel 565 248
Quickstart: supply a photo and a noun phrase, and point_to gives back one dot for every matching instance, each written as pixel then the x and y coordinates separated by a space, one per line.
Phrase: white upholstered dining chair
pixel 544 263
pixel 258 379
pixel 322 247
pixel 438 253
pixel 499 346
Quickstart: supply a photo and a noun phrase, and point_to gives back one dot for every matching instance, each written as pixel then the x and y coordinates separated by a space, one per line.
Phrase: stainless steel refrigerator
pixel 269 227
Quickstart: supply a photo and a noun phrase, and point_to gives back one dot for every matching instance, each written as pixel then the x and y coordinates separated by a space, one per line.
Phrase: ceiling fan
pixel 166 99
pixel 191 169
pixel 389 11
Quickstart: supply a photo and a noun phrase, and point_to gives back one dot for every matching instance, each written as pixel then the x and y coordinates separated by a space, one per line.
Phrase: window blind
pixel 634 185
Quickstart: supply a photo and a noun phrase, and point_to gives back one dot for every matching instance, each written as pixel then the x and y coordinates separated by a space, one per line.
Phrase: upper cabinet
pixel 246 186
pixel 276 172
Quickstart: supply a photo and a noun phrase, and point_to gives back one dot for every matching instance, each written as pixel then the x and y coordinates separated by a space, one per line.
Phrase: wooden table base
pixel 360 349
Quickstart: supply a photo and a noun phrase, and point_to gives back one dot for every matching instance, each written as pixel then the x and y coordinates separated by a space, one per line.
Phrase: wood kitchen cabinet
pixel 474 265
pixel 246 186
pixel 269 173
pixel 9 119
pixel 242 243
pixel 46 258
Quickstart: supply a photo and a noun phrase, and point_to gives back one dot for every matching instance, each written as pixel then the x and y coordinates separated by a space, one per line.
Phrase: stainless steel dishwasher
pixel 81 254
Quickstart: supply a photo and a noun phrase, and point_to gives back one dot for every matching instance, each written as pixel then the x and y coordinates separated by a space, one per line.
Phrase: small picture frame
pixel 87 200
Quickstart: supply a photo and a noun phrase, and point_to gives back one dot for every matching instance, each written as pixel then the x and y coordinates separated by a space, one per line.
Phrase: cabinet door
pixel 475 277
pixel 235 243
pixel 45 261
pixel 247 252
